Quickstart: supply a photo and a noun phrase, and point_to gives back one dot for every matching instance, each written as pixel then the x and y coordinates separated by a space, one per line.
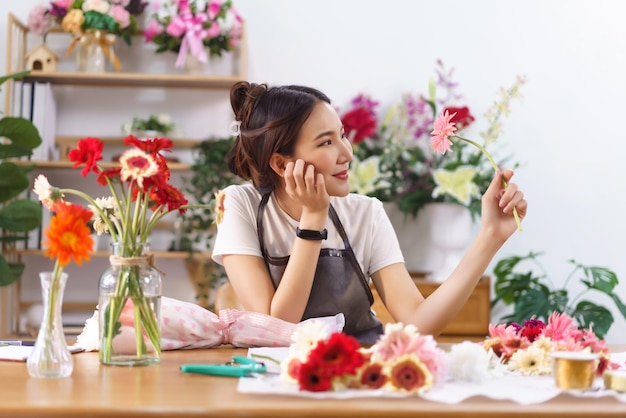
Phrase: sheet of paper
pixel 21 352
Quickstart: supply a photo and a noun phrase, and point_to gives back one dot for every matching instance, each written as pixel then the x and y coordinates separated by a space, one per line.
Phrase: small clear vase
pixel 130 308
pixel 93 49
pixel 51 358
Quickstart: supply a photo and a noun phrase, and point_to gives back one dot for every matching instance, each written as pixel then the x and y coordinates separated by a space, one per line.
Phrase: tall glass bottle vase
pixel 51 358
pixel 130 308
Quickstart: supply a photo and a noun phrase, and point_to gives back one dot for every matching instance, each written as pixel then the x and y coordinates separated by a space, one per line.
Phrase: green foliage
pixel 210 174
pixel 17 216
pixel 533 294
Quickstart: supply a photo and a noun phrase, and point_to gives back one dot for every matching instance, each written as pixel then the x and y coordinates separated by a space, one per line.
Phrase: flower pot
pixel 450 233
pixel 129 308
pixel 51 358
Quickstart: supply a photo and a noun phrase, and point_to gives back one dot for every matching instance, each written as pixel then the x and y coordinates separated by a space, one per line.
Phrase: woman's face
pixel 323 144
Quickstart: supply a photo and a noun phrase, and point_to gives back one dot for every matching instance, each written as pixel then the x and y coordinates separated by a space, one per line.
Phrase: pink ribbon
pixel 194 34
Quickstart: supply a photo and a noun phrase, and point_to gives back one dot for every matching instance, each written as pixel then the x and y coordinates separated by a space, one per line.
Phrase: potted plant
pixel 18 216
pixel 210 174
pixel 532 294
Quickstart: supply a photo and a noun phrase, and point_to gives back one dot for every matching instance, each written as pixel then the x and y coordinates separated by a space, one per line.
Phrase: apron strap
pixel 342 233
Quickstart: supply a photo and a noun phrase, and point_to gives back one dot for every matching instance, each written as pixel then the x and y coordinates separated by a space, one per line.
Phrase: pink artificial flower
pixel 63 4
pixel 176 27
pixel 38 20
pixel 214 8
pixel 560 326
pixel 443 130
pixel 121 16
pixel 214 30
pixel 153 29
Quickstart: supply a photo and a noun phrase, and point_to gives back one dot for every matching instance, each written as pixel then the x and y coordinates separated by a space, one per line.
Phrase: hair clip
pixel 235 128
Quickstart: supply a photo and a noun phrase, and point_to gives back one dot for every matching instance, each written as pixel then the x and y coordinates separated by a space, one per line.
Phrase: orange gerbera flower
pixel 68 234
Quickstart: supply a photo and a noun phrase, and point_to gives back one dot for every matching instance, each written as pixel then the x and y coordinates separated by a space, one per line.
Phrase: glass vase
pixel 93 49
pixel 51 358
pixel 129 308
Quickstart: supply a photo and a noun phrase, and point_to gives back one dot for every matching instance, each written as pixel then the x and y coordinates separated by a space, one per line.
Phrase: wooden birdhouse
pixel 41 58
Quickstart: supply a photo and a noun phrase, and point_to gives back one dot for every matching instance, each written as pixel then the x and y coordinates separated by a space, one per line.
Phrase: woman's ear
pixel 278 163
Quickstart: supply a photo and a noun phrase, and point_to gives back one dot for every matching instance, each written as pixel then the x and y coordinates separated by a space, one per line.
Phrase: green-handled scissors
pixel 239 366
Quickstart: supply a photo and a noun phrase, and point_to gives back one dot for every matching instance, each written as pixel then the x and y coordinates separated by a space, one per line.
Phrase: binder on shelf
pixel 44 118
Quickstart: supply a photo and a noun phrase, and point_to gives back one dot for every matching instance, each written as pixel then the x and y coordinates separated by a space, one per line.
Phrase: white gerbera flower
pixel 45 192
pixel 306 336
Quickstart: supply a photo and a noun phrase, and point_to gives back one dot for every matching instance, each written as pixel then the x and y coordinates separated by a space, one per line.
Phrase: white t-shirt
pixel 364 219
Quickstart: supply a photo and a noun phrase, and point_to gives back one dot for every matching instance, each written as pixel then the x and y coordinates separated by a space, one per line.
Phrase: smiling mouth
pixel 342 175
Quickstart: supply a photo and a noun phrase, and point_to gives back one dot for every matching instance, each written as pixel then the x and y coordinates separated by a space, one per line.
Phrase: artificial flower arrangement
pixel 140 196
pixel 526 348
pixel 117 17
pixel 393 159
pixel 402 360
pixel 161 123
pixel 89 21
pixel 191 27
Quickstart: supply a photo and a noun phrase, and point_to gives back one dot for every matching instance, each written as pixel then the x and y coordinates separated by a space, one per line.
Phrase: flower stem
pixel 496 168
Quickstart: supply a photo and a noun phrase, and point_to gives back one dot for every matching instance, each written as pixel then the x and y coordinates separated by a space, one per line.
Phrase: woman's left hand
pixel 498 204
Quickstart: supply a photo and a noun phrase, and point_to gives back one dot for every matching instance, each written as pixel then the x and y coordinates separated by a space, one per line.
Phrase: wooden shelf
pixel 121 79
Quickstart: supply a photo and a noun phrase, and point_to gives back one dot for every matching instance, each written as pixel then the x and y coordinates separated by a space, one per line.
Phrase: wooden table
pixel 162 390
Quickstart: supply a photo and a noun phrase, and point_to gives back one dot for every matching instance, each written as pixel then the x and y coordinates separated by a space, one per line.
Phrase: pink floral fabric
pixel 185 325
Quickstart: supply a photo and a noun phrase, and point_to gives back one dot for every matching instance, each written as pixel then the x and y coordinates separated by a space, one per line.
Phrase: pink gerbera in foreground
pixel 443 129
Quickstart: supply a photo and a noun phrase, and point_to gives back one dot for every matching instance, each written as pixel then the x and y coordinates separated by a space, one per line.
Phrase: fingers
pixel 508 197
pixel 301 179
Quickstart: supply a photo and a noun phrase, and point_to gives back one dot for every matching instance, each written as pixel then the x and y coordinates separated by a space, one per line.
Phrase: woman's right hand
pixel 306 186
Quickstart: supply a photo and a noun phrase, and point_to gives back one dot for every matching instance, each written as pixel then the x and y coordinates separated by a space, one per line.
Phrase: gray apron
pixel 339 284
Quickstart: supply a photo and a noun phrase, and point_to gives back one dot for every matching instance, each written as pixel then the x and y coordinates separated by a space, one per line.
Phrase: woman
pixel 296 244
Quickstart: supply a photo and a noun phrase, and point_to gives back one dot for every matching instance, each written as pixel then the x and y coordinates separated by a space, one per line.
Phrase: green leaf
pixel 19 75
pixel 13 181
pixel 21 215
pixel 532 303
pixel 620 305
pixel 599 318
pixel 9 272
pixel 23 135
pixel 601 278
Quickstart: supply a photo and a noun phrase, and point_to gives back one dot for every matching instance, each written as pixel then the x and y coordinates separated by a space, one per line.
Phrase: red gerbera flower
pixel 169 196
pixel 88 152
pixel 110 173
pixel 339 354
pixel 150 145
pixel 313 376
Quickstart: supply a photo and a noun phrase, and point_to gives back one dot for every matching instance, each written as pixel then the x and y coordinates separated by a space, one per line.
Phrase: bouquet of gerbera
pixel 140 196
pixel 402 360
pixel 526 348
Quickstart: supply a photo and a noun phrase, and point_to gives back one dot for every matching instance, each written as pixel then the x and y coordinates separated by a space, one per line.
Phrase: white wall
pixel 565 131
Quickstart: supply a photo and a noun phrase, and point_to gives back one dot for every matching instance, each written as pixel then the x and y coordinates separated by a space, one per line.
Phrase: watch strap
pixel 311 234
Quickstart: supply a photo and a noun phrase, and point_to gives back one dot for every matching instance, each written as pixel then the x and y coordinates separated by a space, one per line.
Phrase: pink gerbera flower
pixel 443 129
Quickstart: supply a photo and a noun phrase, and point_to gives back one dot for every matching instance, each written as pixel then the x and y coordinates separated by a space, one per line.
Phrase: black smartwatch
pixel 311 235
